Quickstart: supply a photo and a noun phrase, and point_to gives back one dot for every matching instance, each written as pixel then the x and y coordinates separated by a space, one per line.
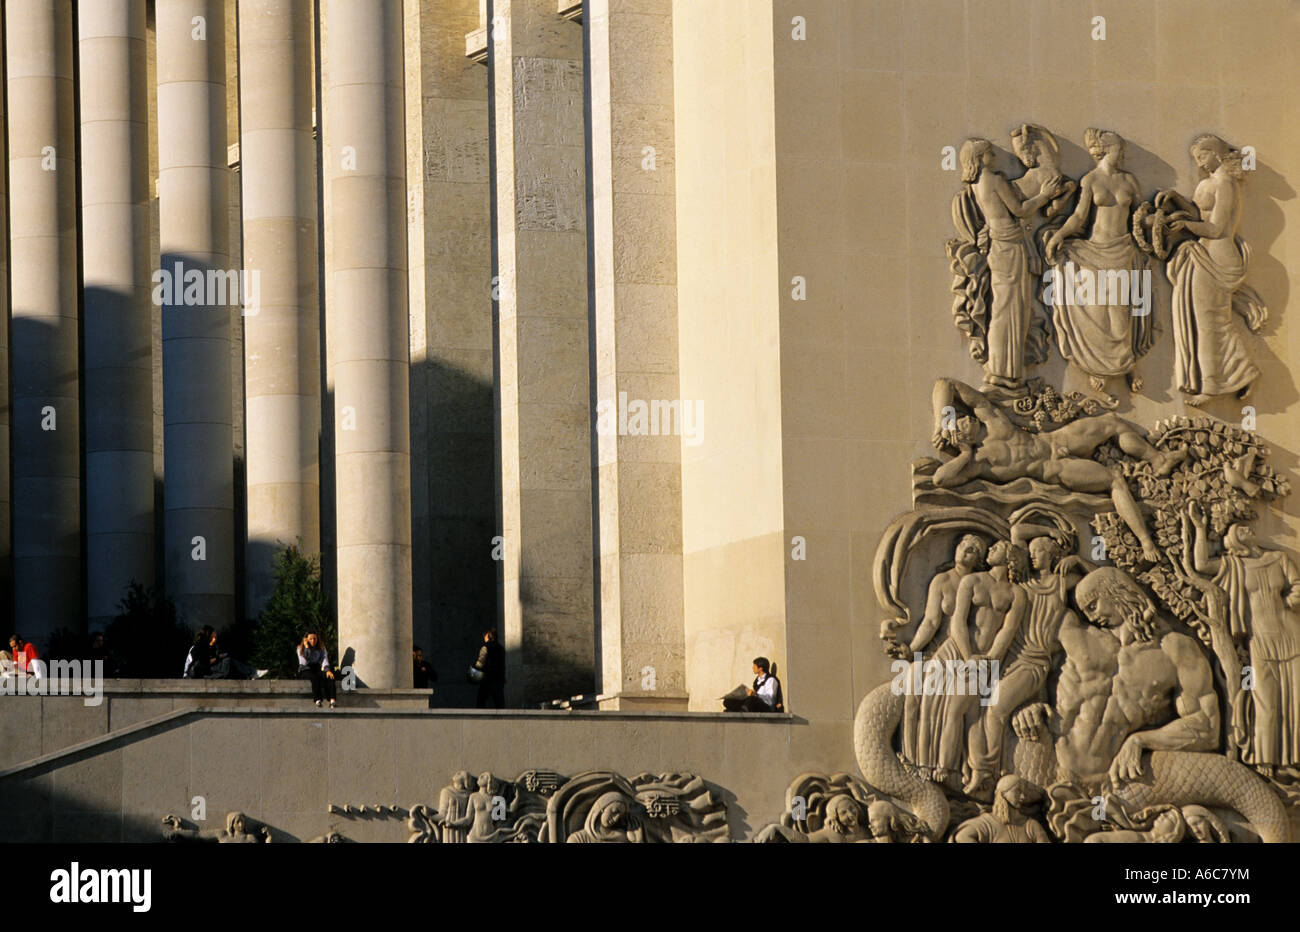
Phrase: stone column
pixel 540 234
pixel 633 298
pixel 44 326
pixel 116 266
pixel 282 333
pixel 194 195
pixel 6 567
pixel 453 414
pixel 368 350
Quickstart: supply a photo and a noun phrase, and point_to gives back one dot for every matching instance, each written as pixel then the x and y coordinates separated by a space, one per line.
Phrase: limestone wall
pixel 284 766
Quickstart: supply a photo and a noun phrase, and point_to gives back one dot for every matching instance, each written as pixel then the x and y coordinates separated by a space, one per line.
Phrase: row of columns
pixel 365 177
pixel 585 270
pixel 557 353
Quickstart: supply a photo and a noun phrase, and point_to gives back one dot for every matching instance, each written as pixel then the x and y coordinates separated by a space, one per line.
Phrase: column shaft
pixel 368 346
pixel 540 234
pixel 194 203
pixel 633 299
pixel 282 333
pixel 115 281
pixel 44 318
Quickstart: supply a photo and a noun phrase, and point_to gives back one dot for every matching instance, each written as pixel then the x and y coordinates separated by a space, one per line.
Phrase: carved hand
pixel 1053 244
pixel 1031 722
pixel 1127 765
pixel 1196 513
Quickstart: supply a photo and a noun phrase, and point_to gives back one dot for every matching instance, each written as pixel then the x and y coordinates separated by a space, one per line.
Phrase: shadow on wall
pixel 45 471
pixel 453 504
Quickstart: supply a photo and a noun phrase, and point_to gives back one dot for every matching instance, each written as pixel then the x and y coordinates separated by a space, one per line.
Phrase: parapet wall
pixel 268 753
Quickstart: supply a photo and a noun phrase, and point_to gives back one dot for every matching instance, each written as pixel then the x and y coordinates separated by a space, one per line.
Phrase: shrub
pixel 297 605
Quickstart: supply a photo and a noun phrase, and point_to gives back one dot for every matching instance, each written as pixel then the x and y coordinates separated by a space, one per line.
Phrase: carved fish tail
pixel 1184 778
pixel 873 729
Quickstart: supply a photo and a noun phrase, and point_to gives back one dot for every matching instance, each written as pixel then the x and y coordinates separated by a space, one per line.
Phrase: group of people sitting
pixel 206 660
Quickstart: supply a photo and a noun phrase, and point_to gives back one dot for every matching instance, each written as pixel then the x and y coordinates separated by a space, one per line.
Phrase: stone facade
pixel 657 371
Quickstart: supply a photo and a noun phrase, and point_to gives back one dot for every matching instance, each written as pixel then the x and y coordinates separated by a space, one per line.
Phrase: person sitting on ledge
pixel 23 653
pixel 314 664
pixel 763 696
pixel 206 660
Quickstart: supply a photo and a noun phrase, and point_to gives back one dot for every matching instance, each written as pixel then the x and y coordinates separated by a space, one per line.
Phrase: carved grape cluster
pixel 1221 460
pixel 1044 408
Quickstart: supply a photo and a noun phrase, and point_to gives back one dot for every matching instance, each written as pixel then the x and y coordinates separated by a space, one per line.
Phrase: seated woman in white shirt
pixel 314 664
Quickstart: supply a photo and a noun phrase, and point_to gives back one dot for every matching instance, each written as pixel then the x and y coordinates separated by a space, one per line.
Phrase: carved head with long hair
pixel 1210 151
pixel 972 158
pixel 1111 599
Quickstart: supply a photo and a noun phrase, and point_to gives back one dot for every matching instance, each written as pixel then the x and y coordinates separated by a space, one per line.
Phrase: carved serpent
pixel 1184 778
pixel 873 730
pixel 1177 777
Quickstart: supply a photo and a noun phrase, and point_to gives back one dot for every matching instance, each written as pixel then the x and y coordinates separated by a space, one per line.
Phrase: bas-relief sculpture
pixel 1120 678
pixel 1022 269
pixel 539 806
pixel 1145 646
pixel 1208 272
pixel 1102 339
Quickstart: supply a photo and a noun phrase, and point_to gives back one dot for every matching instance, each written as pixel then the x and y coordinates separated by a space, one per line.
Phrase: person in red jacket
pixel 18 646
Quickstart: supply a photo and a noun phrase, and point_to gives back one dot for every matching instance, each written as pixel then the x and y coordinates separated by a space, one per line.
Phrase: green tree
pixel 297 606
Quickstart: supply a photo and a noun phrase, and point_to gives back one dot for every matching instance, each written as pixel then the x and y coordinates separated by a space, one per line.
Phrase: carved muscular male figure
pixel 1129 684
pixel 990 446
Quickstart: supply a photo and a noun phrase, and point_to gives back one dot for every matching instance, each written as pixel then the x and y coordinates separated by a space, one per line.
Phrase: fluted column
pixel 44 322
pixel 116 287
pixel 194 195
pixel 369 354
pixel 281 334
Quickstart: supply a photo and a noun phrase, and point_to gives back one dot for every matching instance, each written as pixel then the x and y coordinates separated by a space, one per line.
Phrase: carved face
pixel 970 550
pixel 1099 602
pixel 614 815
pixel 1043 552
pixel 842 813
pixel 1206 159
pixel 485 781
pixel 878 818
pixel 1240 539
pixel 1167 823
pixel 1018 793
pixel 999 552
pixel 967 429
